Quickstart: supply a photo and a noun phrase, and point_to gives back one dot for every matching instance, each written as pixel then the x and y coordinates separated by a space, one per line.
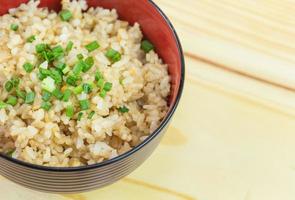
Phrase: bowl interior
pixel 153 25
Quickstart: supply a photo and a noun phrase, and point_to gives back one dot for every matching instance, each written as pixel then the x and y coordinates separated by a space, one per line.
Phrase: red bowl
pixel 159 30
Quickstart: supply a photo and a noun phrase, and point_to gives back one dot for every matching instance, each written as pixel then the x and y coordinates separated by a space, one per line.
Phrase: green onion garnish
pixel 92 46
pixel 56 75
pixel 30 97
pixel 15 81
pixel 91 114
pixel 31 39
pixel 46 105
pixel 28 67
pixel 48 84
pixel 10 152
pixel 2 105
pixel 100 83
pixel 107 86
pixel 98 75
pixel 60 66
pixel 87 88
pixel 65 15
pixel 89 62
pixel 70 111
pixel 71 80
pixel 40 48
pixel 103 93
pixel 58 94
pixel 78 67
pixel 20 94
pixel 123 109
pixel 8 86
pixel 113 55
pixel 69 46
pixel 67 95
pixel 78 89
pixel 80 56
pixel 66 70
pixel 80 114
pixel 14 27
pixel 46 96
pixel 84 104
pixel 146 46
pixel 12 100
pixel 57 52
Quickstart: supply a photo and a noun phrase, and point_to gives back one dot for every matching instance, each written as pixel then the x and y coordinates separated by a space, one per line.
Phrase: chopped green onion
pixel 46 105
pixel 80 114
pixel 100 83
pixel 48 84
pixel 78 67
pixel 84 104
pixel 30 97
pixel 71 80
pixel 40 48
pixel 14 27
pixel 70 111
pixel 46 95
pixel 146 46
pixel 67 95
pixel 28 67
pixel 107 86
pixel 87 88
pixel 58 94
pixel 45 72
pixel 12 100
pixel 91 114
pixel 92 46
pixel 31 39
pixel 65 15
pixel 80 56
pixel 89 62
pixel 60 66
pixel 78 89
pixel 103 93
pixel 20 94
pixel 69 46
pixel 56 76
pixel 113 55
pixel 98 75
pixel 15 81
pixel 2 105
pixel 10 152
pixel 66 70
pixel 123 109
pixel 8 86
pixel 57 52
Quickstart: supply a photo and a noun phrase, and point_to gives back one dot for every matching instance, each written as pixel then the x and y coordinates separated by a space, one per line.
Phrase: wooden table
pixel 233 136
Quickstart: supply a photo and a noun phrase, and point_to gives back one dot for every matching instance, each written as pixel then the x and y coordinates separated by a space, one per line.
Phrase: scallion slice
pixel 84 104
pixel 70 111
pixel 12 100
pixel 92 46
pixel 30 97
pixel 48 84
pixel 65 15
pixel 46 105
pixel 146 46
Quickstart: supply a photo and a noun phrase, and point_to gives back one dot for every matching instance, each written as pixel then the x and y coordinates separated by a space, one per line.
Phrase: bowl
pixel 158 29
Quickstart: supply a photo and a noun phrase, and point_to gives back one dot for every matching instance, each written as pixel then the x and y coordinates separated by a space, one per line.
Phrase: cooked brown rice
pixel 140 82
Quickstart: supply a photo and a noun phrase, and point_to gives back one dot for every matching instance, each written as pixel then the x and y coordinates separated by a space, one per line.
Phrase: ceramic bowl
pixel 158 29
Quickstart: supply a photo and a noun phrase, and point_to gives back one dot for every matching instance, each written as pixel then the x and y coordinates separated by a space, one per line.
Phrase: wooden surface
pixel 232 137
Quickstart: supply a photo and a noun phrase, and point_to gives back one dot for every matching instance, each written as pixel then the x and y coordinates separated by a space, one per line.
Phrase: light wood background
pixel 233 136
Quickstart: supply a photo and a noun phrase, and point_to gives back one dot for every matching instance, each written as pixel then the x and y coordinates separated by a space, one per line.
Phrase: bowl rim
pixel 163 124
